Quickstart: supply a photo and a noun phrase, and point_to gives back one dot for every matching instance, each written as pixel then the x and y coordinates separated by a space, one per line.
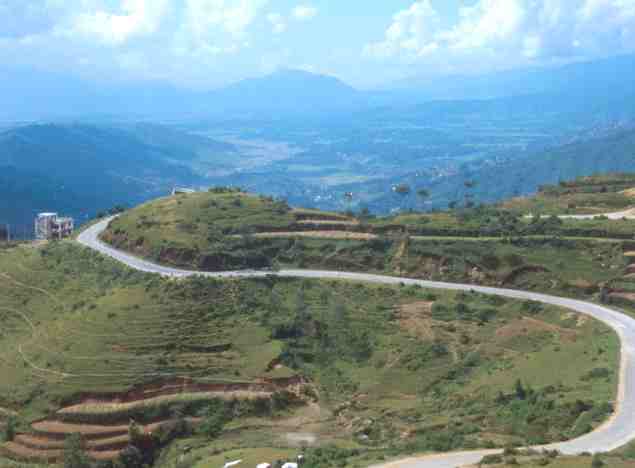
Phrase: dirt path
pixel 343 235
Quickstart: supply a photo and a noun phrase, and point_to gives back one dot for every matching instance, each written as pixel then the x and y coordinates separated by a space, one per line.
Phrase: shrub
pixel 492 459
pixel 597 462
pixel 74 456
pixel 10 428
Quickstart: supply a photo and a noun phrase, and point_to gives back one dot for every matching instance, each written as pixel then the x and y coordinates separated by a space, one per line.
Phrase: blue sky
pixel 210 43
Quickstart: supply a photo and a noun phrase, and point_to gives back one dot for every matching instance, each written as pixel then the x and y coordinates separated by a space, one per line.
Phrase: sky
pixel 205 44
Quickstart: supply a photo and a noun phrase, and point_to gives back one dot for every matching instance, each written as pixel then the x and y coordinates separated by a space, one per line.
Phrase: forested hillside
pixel 493 181
pixel 79 170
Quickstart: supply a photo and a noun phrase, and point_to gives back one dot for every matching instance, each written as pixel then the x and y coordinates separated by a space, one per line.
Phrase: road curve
pixel 616 432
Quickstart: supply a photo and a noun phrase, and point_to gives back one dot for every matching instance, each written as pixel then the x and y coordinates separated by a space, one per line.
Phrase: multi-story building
pixel 51 226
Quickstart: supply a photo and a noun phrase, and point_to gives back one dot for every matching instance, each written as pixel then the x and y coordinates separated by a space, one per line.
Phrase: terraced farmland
pixel 88 345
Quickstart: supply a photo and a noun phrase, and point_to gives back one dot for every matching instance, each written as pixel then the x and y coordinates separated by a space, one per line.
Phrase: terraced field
pixel 592 195
pixel 104 422
pixel 88 344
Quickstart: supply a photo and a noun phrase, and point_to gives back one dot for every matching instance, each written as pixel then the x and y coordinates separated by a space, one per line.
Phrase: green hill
pixel 227 230
pixel 584 195
pixel 87 344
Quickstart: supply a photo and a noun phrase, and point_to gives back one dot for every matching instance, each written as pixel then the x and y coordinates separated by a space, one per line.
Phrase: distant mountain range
pixel 605 77
pixel 29 94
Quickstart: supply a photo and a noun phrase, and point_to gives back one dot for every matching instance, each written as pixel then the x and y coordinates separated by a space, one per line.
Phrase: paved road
pixel 619 430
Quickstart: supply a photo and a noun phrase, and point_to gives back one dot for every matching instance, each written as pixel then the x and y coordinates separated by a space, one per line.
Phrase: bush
pixel 10 428
pixel 597 462
pixel 74 456
pixel 214 423
pixel 492 459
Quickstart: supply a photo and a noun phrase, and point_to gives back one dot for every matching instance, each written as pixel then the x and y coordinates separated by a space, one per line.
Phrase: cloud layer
pixel 207 43
pixel 183 41
pixel 508 32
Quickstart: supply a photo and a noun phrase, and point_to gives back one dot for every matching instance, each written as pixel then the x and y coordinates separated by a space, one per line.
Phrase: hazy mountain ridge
pixel 493 181
pixel 36 94
pixel 614 74
pixel 79 170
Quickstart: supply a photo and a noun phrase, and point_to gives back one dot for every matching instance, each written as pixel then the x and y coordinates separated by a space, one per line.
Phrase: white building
pixel 51 226
pixel 182 190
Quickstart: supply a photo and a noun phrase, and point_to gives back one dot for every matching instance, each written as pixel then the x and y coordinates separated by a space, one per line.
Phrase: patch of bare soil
pixel 301 438
pixel 527 326
pixel 58 429
pixel 329 222
pixel 341 235
pixel 104 442
pixel 415 318
pixel 629 192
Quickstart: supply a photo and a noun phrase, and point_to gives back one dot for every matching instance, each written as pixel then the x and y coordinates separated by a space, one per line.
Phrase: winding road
pixel 616 432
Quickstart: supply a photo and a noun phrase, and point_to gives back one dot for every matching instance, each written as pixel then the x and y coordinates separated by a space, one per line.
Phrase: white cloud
pixel 509 32
pixel 304 12
pixel 278 23
pixel 135 18
pixel 232 16
pixel 412 32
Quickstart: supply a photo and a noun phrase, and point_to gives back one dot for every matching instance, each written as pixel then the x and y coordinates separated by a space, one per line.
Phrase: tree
pixel 402 189
pixel 74 456
pixel 131 457
pixel 423 195
pixel 348 199
pixel 135 434
pixel 521 393
pixel 597 461
pixel 214 420
pixel 9 430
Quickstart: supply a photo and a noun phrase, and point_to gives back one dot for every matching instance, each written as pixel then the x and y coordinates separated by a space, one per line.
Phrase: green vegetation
pixel 356 373
pixel 374 362
pixel 535 459
pixel 483 245
pixel 585 195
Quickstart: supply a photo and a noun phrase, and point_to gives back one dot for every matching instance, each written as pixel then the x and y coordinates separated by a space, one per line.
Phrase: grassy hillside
pixel 585 195
pixel 87 344
pixel 484 245
pixel 212 230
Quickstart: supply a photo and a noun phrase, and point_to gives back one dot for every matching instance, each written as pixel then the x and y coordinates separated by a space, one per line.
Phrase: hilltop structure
pixel 182 190
pixel 51 226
